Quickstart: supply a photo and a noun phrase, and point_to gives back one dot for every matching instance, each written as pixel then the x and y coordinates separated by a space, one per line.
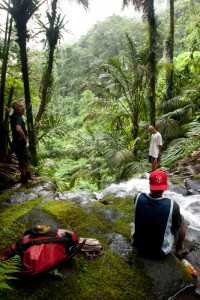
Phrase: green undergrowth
pixel 177 181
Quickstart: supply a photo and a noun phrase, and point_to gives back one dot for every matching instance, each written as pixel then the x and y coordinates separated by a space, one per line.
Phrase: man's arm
pixel 21 133
pixel 8 111
pixel 160 144
pixel 177 220
pixel 160 147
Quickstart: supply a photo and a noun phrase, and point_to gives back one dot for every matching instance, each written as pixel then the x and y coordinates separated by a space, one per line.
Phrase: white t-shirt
pixel 156 141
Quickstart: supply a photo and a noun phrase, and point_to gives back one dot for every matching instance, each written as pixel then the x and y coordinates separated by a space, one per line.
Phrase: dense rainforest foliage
pixel 89 103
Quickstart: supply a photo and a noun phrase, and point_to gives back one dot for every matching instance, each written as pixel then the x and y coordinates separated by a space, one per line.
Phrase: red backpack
pixel 42 248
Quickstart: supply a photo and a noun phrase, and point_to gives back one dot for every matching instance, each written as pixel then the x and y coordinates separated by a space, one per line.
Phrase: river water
pixel 189 205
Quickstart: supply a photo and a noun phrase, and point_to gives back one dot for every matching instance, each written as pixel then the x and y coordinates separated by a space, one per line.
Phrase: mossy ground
pixel 108 277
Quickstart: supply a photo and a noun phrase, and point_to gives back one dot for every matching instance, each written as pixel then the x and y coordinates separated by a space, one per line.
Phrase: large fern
pixel 7 270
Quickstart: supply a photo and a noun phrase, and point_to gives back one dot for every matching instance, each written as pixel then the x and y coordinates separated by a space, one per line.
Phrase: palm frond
pixel 169 128
pixel 52 125
pixel 193 129
pixel 85 3
pixel 22 10
pixel 126 171
pixel 119 158
pixel 174 104
pixel 81 173
pixel 138 4
pixel 182 114
pixel 93 115
pixel 178 149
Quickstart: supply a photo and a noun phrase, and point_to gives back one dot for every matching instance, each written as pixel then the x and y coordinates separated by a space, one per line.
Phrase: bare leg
pixel 23 170
pixel 25 173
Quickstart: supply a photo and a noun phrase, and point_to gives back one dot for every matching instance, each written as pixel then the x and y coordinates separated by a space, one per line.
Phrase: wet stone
pixel 36 216
pixel 119 245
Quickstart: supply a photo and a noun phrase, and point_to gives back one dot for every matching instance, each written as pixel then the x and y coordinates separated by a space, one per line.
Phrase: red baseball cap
pixel 158 181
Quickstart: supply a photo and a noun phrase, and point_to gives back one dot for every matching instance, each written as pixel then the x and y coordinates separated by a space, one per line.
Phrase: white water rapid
pixel 189 205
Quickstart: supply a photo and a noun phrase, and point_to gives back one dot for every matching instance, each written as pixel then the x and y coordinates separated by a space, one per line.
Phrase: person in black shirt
pixel 159 226
pixel 19 141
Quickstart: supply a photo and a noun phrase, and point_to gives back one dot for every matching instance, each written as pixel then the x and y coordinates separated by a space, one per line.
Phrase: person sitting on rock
pixel 159 227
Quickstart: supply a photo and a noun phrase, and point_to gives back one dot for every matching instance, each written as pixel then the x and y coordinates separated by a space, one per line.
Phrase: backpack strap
pixel 75 249
pixel 21 247
pixel 40 230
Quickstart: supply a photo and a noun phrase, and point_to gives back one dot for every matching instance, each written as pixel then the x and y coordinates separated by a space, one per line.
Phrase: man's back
pixel 153 221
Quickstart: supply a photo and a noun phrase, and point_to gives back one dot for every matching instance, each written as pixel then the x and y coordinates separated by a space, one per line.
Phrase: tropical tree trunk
pixel 56 23
pixel 4 126
pixel 21 11
pixel 147 6
pixel 53 34
pixel 5 152
pixel 152 59
pixel 24 67
pixel 45 87
pixel 170 54
pixel 6 47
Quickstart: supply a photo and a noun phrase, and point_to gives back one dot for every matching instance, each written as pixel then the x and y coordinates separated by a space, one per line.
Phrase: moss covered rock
pixel 118 274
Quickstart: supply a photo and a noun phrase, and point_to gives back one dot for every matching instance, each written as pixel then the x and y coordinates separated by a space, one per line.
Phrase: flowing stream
pixel 189 205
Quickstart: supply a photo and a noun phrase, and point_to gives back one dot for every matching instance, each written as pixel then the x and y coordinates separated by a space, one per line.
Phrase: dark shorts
pixel 23 155
pixel 152 159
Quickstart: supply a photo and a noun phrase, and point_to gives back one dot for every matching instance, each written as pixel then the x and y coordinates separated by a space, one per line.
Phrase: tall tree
pixel 121 86
pixel 147 6
pixel 5 53
pixel 3 126
pixel 170 53
pixel 22 11
pixel 53 33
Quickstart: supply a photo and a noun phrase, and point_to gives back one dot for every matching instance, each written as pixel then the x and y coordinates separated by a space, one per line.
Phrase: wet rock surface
pixel 37 216
pixel 188 187
pixel 192 186
pixel 165 276
pixel 188 166
pixel 119 245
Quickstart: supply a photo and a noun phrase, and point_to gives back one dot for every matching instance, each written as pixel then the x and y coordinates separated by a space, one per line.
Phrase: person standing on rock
pixel 155 148
pixel 19 142
pixel 159 226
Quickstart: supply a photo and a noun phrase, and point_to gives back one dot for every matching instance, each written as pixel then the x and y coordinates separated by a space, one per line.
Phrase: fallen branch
pixel 182 177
